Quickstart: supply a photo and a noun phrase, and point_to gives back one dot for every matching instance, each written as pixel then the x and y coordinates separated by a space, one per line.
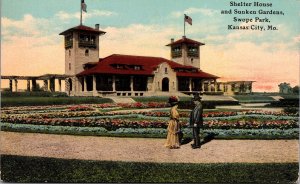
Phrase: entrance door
pixel 165 84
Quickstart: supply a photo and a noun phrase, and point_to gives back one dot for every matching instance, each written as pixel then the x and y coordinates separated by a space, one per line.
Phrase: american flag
pixel 83 6
pixel 188 19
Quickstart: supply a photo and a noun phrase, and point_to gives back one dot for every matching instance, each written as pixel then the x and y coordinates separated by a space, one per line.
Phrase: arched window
pixel 69 53
pixel 166 70
pixel 69 66
pixel 87 52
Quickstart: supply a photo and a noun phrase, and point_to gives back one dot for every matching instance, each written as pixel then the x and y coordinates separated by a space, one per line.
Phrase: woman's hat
pixel 173 100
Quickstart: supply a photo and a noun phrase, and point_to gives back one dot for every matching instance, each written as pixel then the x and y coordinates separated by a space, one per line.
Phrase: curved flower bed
pixel 115 123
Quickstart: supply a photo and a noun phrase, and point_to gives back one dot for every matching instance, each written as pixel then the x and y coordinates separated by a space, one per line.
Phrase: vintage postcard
pixel 150 91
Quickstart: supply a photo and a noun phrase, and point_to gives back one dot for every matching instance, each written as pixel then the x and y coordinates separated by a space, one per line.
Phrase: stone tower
pixel 185 51
pixel 81 47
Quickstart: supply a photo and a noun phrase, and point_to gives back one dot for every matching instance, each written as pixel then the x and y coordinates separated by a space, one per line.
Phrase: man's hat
pixel 197 97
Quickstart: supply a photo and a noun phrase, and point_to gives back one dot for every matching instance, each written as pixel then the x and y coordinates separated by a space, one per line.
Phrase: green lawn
pixel 253 98
pixel 38 169
pixel 33 101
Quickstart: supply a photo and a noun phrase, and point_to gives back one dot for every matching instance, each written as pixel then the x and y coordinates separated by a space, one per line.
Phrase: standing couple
pixel 196 122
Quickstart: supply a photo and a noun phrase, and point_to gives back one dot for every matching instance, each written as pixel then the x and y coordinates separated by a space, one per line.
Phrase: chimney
pixel 97 26
pixel 183 37
pixel 172 40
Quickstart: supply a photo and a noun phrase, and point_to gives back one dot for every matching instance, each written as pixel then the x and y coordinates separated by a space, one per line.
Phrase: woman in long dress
pixel 173 125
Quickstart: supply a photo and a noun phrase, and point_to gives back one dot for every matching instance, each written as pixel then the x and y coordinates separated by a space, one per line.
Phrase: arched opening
pixel 165 84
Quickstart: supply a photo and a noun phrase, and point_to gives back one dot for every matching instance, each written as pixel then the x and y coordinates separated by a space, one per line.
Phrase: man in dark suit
pixel 196 120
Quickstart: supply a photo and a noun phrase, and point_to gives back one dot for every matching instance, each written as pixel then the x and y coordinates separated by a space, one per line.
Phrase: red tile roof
pixel 148 64
pixel 185 40
pixel 82 28
pixel 198 74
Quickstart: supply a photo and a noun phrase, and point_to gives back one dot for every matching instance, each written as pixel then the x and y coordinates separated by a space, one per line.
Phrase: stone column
pixel 10 85
pixel 67 86
pixel 209 86
pixel 202 85
pixel 45 85
pixel 94 84
pixel 16 85
pixel 28 85
pixel 131 83
pixel 84 84
pixel 59 85
pixel 52 84
pixel 33 85
pixel 114 83
pixel 190 84
pixel 215 85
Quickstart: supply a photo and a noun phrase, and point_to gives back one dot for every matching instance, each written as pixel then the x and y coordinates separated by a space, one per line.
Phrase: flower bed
pixel 115 123
pixel 154 132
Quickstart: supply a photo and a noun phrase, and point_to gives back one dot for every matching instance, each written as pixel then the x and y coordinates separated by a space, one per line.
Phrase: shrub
pixel 33 94
pixel 291 110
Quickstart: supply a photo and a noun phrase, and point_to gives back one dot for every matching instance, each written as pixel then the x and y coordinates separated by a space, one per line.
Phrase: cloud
pixel 191 11
pixel 39 50
pixel 137 39
pixel 27 26
pixel 65 16
pixel 249 61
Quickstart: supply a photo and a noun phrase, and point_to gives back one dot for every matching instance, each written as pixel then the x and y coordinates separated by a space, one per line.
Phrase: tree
pixel 296 90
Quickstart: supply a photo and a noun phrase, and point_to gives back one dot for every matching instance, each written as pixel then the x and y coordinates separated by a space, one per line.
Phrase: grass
pixel 253 98
pixel 158 99
pixel 39 169
pixel 28 101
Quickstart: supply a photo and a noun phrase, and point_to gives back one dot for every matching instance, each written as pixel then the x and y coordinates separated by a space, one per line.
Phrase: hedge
pixel 24 169
pixel 36 101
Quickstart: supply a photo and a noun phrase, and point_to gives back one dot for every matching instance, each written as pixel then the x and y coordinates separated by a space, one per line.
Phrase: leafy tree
pixel 296 90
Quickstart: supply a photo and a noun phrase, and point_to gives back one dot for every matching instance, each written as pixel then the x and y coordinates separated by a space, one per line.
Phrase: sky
pixel 31 44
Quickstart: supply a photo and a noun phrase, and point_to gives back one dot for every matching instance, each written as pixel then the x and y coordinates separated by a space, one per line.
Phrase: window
pixel 166 70
pixel 69 53
pixel 68 41
pixel 69 66
pixel 176 51
pixel 87 52
pixel 192 60
pixel 137 67
pixel 87 40
pixel 193 51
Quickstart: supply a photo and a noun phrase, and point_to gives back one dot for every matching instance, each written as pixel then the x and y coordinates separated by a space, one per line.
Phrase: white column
pixel 10 85
pixel 209 86
pixel 84 84
pixel 202 85
pixel 190 84
pixel 59 85
pixel 16 85
pixel 48 85
pixel 28 85
pixel 94 83
pixel 131 83
pixel 216 86
pixel 94 86
pixel 114 83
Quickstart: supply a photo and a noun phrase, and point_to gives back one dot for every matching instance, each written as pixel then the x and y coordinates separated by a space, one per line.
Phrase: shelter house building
pixel 131 75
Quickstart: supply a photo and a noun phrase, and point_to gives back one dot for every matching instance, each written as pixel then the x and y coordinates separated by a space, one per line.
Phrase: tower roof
pixel 82 28
pixel 185 40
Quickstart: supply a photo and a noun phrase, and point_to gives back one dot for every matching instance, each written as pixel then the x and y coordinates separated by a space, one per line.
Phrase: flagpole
pixel 184 25
pixel 80 12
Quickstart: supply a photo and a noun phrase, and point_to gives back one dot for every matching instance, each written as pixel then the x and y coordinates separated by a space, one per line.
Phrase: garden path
pixel 147 149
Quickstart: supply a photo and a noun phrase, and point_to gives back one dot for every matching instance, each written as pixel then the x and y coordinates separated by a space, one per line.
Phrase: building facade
pixel 130 75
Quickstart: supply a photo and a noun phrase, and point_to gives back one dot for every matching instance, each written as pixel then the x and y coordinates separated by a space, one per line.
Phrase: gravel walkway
pixel 147 150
